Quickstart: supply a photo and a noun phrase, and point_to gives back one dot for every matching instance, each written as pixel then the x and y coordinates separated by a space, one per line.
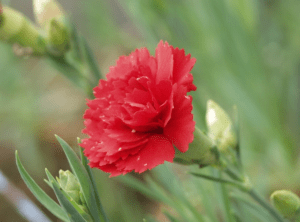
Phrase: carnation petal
pixel 158 150
pixel 164 57
pixel 181 70
pixel 181 126
pixel 127 64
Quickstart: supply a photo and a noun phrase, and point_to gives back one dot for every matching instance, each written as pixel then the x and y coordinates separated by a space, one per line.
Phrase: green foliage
pixel 247 54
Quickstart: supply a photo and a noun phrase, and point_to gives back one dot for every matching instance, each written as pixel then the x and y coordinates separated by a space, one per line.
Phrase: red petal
pixel 181 126
pixel 181 69
pixel 127 64
pixel 164 57
pixel 155 152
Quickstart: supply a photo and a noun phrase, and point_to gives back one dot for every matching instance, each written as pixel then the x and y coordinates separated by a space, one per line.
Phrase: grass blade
pixel 72 212
pixel 84 162
pixel 84 180
pixel 50 204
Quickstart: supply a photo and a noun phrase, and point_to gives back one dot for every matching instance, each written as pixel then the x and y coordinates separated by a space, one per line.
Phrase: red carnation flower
pixel 141 111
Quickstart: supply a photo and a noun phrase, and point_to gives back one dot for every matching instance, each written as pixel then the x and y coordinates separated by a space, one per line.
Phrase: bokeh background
pixel 248 55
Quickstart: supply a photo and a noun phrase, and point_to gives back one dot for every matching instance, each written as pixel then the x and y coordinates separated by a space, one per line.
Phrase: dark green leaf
pixel 91 61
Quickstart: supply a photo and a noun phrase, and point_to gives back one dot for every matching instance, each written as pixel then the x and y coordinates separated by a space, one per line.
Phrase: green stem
pixel 233 174
pixel 226 202
pixel 264 204
pixel 220 180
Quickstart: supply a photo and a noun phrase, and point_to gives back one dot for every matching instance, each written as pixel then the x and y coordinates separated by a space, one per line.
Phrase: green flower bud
pixel 200 151
pixel 286 202
pixel 220 127
pixel 69 184
pixel 58 37
pixel 45 10
pixel 16 28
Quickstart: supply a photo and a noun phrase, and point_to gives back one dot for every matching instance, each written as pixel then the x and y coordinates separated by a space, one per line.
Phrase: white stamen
pixel 138 78
pixel 145 164
pixel 187 97
pixel 120 148
pixel 133 131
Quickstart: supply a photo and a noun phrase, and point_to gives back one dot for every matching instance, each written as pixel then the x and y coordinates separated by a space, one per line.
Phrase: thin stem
pixel 226 202
pixel 220 180
pixel 264 204
pixel 233 174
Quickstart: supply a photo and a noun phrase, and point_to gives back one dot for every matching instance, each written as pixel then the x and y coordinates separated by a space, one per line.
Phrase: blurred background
pixel 248 55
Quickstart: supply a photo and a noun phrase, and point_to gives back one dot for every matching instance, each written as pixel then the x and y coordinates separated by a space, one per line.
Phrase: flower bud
pixel 220 127
pixel 16 28
pixel 286 202
pixel 200 151
pixel 1 14
pixel 69 184
pixel 58 37
pixel 45 10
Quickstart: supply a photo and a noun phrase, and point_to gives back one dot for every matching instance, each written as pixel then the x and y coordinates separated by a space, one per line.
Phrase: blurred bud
pixel 45 10
pixel 1 14
pixel 58 37
pixel 220 127
pixel 200 151
pixel 16 28
pixel 22 51
pixel 286 202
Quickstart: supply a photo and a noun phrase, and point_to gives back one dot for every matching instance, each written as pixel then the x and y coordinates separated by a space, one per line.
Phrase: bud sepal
pixel 201 151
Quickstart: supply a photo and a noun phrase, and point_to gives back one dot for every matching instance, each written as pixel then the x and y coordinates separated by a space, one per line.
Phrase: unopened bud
pixel 16 28
pixel 286 202
pixel 69 184
pixel 58 37
pixel 220 127
pixel 45 10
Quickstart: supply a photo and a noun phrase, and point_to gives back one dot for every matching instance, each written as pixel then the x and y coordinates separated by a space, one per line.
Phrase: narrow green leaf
pixel 220 180
pixel 256 209
pixel 170 217
pixel 183 207
pixel 71 72
pixel 84 162
pixel 91 61
pixel 83 178
pixel 226 202
pixel 50 204
pixel 64 202
pixel 76 43
pixel 141 187
pixel 48 182
pixel 75 205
